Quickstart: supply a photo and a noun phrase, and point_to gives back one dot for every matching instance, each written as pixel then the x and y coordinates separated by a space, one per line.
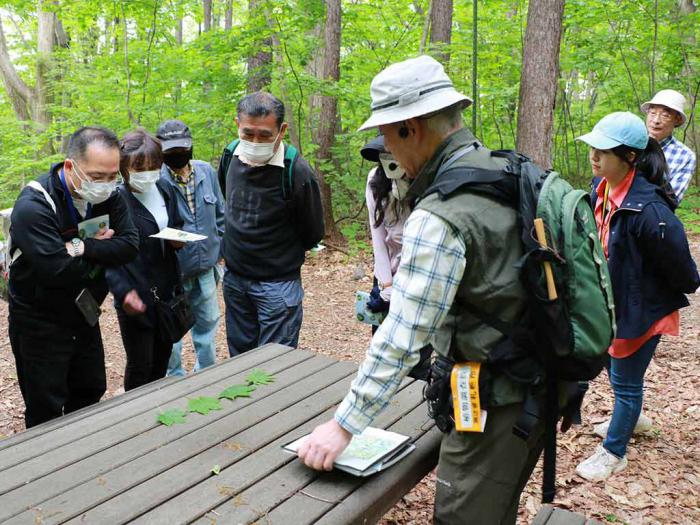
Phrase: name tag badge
pixel 469 417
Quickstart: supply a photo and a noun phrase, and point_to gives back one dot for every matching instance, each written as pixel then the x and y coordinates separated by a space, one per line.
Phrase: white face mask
pixel 92 191
pixel 258 152
pixel 391 168
pixel 142 181
pixel 399 188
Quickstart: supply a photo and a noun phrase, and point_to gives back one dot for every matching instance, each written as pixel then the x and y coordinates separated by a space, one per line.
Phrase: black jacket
pixel 156 264
pixel 266 235
pixel 650 264
pixel 45 280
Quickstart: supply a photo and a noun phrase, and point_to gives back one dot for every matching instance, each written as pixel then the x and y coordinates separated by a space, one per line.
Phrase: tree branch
pixel 20 94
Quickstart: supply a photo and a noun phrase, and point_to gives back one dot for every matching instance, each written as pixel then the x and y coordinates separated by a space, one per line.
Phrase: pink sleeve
pixel 382 263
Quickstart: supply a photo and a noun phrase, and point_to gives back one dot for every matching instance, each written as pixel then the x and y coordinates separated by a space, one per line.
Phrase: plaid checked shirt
pixel 681 164
pixel 432 265
pixel 186 184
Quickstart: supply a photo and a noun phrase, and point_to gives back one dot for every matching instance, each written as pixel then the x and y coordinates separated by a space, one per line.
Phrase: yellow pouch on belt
pixel 469 417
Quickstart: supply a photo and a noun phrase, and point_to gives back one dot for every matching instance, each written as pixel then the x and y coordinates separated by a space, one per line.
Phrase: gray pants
pixel 481 475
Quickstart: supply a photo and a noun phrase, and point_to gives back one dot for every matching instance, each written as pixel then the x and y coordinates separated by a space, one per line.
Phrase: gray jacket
pixel 197 257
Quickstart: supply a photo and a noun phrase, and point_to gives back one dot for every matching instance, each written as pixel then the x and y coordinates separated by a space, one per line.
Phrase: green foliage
pixel 172 416
pixel 123 67
pixel 259 377
pixel 689 210
pixel 203 405
pixel 235 391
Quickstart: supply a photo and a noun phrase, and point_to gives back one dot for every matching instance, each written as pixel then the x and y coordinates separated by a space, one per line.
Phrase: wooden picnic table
pixel 114 463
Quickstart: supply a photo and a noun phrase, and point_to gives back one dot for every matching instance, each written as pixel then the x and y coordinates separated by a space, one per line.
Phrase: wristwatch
pixel 75 247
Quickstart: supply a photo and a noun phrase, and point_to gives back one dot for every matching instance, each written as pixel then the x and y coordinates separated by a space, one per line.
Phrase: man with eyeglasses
pixel 57 278
pixel 665 112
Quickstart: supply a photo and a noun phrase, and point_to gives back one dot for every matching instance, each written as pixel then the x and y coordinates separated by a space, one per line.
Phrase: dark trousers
pixel 261 312
pixel 146 356
pixel 480 475
pixel 58 376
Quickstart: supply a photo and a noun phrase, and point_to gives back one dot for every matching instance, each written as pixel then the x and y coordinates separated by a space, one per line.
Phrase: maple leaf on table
pixel 235 391
pixel 203 405
pixel 172 416
pixel 259 377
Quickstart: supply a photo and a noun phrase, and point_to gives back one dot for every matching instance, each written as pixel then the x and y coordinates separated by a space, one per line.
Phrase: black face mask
pixel 177 160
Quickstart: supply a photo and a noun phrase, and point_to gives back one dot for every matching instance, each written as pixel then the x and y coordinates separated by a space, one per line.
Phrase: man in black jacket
pixel 56 276
pixel 273 216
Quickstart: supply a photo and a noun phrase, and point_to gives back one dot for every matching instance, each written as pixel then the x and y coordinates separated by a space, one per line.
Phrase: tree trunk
pixel 45 40
pixel 538 80
pixel 178 31
pixel 228 18
pixel 260 59
pixel 329 113
pixel 687 7
pixel 207 14
pixel 18 92
pixel 441 30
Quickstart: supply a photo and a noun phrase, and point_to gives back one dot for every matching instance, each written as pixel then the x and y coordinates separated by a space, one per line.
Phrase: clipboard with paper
pixel 368 453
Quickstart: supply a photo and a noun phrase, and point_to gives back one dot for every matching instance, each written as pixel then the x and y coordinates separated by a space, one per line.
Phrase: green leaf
pixel 172 416
pixel 235 391
pixel 216 469
pixel 203 405
pixel 259 377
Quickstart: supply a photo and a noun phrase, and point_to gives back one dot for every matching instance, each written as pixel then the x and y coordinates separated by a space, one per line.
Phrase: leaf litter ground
pixel 661 485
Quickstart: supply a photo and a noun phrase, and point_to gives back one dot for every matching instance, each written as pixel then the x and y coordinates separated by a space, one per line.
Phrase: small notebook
pixel 368 453
pixel 171 234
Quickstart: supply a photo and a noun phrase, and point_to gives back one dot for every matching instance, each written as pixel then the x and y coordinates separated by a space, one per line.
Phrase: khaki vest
pixel 490 281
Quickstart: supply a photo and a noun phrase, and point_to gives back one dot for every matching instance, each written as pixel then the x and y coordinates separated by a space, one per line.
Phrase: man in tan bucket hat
pixel 665 112
pixel 457 246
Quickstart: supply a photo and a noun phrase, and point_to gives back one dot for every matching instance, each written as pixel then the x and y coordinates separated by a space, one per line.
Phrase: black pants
pixel 58 376
pixel 146 356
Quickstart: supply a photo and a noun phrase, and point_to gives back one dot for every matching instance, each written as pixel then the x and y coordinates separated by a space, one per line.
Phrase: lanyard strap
pixel 605 209
pixel 69 200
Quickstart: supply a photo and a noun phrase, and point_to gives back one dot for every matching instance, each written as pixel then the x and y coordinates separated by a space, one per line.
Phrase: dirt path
pixel 660 486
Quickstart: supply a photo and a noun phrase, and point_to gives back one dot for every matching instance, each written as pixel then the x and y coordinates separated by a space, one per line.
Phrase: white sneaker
pixel 642 427
pixel 601 465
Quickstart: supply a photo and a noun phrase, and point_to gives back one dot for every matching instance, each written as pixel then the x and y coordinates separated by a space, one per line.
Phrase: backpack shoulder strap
pixel 38 187
pixel 232 146
pixel 290 155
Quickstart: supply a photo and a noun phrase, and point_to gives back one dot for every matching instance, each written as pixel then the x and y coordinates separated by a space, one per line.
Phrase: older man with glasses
pixel 665 112
pixel 57 277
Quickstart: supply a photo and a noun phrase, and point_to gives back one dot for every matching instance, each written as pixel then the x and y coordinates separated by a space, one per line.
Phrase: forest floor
pixel 661 485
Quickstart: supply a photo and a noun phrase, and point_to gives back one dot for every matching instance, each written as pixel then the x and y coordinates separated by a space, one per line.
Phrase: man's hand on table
pixel 323 445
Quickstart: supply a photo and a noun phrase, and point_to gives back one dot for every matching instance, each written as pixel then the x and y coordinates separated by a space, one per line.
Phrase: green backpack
pixel 290 155
pixel 561 341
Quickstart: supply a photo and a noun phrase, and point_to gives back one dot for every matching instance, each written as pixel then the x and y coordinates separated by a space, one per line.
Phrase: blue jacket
pixel 197 257
pixel 651 268
pixel 156 264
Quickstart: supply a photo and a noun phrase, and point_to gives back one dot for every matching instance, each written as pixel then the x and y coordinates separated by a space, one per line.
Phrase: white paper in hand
pixel 372 451
pixel 88 229
pixel 171 234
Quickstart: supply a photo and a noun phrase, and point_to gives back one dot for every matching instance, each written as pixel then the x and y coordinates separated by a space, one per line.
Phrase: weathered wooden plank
pixel 202 497
pixel 101 419
pixel 164 447
pixel 59 422
pixel 289 493
pixel 81 448
pixel 117 400
pixel 373 499
pixel 543 515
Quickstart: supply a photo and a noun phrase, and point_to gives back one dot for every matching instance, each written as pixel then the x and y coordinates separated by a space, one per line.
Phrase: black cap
pixel 174 134
pixel 373 148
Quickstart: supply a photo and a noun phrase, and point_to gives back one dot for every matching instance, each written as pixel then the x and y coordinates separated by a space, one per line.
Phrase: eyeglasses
pixel 106 177
pixel 662 114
